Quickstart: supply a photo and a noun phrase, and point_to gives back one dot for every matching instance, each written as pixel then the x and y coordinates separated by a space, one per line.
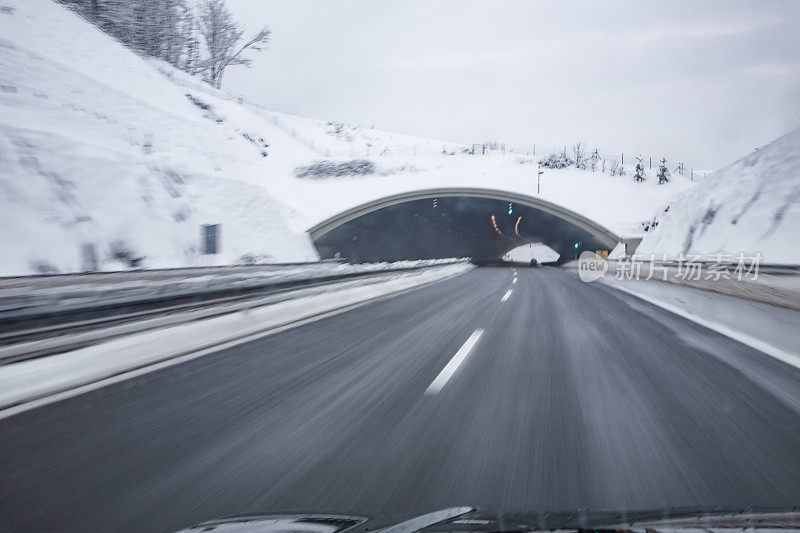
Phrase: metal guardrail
pixel 216 269
pixel 36 324
pixel 775 269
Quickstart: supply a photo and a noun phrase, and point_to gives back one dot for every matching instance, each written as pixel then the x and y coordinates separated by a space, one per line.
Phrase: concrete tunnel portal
pixel 483 224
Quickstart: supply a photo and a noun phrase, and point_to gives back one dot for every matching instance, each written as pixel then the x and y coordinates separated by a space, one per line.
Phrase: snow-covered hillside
pixel 101 147
pixel 751 206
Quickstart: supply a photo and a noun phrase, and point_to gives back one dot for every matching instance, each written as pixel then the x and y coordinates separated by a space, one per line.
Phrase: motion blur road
pixel 575 395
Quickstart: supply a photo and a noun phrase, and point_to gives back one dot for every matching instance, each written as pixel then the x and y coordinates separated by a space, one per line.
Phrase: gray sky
pixel 702 82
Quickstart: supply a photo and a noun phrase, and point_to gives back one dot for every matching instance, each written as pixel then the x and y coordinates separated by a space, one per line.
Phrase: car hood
pixel 471 519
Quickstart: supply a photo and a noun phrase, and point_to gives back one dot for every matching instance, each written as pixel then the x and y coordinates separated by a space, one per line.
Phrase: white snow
pixel 77 112
pixel 615 202
pixel 751 206
pixel 100 146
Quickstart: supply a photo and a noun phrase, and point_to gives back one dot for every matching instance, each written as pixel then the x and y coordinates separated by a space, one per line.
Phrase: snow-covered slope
pixel 616 202
pixel 751 206
pixel 99 148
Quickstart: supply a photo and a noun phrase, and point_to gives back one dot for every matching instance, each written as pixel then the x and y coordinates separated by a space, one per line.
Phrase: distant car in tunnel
pixel 534 263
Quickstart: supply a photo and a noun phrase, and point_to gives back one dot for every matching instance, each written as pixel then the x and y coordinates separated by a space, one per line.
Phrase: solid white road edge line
pixel 451 367
pixel 506 295
pixel 744 338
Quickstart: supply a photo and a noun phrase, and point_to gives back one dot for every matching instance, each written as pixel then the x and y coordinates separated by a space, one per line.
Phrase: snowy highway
pixel 505 389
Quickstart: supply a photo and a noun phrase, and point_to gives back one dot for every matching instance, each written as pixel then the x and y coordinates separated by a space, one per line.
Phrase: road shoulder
pixel 29 384
pixel 767 328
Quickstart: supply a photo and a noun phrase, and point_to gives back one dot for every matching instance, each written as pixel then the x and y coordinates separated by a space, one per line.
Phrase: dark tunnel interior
pixel 452 226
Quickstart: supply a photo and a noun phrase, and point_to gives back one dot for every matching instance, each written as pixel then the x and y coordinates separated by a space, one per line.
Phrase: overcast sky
pixel 702 82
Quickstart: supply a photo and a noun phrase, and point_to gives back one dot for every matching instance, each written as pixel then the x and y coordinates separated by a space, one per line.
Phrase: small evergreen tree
pixel 594 159
pixel 639 176
pixel 579 153
pixel 663 172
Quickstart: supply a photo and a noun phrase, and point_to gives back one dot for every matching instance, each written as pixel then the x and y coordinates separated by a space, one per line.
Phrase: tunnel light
pixel 510 209
pixel 496 227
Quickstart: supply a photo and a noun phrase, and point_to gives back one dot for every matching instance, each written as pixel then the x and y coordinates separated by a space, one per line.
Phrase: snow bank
pixel 751 206
pixel 100 148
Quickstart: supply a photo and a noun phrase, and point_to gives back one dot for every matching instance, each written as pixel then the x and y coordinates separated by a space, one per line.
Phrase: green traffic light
pixel 576 245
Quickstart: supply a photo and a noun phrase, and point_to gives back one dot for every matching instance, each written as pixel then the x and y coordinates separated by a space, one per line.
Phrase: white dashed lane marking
pixel 451 367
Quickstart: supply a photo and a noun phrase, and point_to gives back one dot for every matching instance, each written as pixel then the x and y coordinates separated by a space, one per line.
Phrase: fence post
pixel 534 148
pixel 651 163
pixel 623 158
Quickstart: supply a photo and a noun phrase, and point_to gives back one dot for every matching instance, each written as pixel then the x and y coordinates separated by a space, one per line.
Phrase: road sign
pixel 209 239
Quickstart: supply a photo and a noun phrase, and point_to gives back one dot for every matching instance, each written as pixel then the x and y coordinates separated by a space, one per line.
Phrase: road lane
pixel 575 395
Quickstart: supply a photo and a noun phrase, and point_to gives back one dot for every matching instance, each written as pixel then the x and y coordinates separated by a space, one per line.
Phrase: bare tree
pixel 191 56
pixel 151 27
pixel 579 153
pixel 222 36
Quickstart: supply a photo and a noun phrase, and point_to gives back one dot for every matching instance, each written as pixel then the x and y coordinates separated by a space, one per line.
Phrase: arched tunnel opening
pixel 445 226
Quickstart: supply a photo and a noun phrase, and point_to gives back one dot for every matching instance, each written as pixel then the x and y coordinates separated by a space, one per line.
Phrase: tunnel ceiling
pixel 452 226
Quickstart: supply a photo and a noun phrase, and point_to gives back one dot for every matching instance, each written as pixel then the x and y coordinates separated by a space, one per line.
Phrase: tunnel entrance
pixel 527 252
pixel 437 224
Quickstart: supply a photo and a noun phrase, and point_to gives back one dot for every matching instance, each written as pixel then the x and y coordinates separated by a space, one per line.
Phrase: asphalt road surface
pixel 574 395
